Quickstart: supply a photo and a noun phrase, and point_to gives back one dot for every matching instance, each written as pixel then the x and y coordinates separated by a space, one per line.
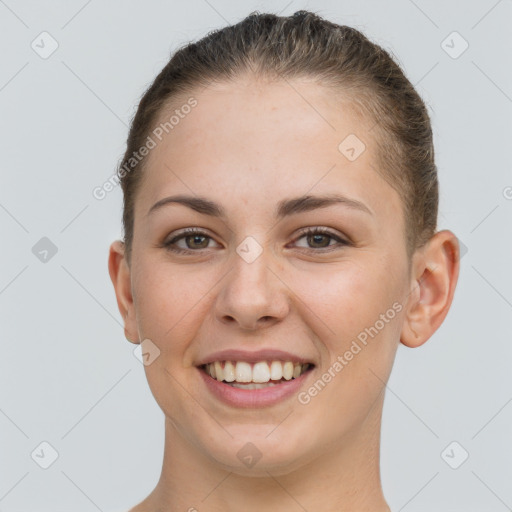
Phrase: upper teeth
pixel 241 371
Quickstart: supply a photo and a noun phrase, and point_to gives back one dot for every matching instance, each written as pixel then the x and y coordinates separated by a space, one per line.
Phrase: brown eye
pixel 317 238
pixel 191 240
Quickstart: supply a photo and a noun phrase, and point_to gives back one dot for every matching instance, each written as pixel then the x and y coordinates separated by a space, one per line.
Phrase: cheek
pixel 168 302
pixel 356 318
pixel 345 299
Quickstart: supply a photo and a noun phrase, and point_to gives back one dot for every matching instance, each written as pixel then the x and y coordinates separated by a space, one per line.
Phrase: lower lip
pixel 263 397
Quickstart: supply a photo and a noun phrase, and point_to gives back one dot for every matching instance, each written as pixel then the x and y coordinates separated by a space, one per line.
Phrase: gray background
pixel 69 377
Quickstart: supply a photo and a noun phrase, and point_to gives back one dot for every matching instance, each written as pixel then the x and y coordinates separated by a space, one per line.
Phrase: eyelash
pixel 306 232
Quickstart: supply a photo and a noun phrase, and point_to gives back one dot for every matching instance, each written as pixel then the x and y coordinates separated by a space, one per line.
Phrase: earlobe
pixel 120 275
pixel 435 275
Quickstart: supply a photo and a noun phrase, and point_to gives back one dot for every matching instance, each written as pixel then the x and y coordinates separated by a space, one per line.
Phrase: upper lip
pixel 252 357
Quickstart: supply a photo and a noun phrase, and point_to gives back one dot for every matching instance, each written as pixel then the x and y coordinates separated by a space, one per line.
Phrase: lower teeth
pixel 252 385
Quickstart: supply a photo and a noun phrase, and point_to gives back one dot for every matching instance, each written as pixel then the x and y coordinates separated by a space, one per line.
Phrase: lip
pixel 254 398
pixel 253 357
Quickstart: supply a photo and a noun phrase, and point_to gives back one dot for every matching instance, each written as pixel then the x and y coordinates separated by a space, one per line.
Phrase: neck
pixel 344 478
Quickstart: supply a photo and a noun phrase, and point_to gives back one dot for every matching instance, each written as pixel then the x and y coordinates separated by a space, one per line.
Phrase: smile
pixel 241 372
pixel 264 383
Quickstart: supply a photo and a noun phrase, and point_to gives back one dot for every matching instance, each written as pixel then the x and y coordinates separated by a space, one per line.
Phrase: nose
pixel 252 296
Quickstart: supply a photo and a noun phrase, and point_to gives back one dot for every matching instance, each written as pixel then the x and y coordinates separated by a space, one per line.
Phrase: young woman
pixel 280 210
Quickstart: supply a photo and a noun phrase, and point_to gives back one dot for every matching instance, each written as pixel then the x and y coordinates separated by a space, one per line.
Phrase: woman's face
pixel 251 287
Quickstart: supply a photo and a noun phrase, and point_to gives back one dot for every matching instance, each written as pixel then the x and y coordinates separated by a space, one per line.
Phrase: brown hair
pixel 305 45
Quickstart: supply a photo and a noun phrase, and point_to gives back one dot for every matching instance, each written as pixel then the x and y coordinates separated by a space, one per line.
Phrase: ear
pixel 120 275
pixel 435 271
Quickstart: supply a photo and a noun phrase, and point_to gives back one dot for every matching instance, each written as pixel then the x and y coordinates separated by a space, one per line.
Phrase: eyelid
pixel 322 231
pixel 184 234
pixel 341 241
pixel 319 230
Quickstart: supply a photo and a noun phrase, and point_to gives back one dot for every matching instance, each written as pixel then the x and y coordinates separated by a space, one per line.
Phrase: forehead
pixel 262 141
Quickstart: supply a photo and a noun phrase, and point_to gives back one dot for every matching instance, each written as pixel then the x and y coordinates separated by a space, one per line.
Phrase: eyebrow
pixel 284 208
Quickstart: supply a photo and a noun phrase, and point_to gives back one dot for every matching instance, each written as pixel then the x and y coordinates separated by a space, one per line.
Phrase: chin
pixel 252 451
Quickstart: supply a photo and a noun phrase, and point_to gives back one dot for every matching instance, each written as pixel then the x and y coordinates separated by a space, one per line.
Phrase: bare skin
pixel 247 148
